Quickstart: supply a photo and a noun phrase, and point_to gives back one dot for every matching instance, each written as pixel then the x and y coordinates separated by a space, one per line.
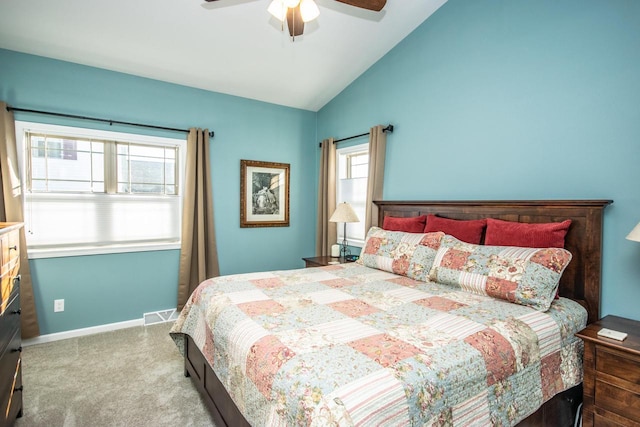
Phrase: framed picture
pixel 264 194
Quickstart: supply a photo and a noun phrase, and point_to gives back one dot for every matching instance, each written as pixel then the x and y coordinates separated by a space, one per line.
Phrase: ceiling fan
pixel 297 12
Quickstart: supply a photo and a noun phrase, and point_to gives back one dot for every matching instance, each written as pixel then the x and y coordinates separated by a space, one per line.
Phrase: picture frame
pixel 264 194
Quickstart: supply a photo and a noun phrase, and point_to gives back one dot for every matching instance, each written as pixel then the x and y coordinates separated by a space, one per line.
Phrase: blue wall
pixel 102 289
pixel 514 99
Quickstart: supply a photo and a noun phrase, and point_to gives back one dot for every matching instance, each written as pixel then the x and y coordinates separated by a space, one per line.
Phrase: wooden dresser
pixel 611 374
pixel 10 344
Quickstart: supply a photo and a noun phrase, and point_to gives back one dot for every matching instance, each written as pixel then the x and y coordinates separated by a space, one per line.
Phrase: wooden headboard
pixel 581 280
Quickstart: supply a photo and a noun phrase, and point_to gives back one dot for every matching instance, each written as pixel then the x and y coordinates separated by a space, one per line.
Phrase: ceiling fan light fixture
pixel 278 9
pixel 309 10
pixel 291 3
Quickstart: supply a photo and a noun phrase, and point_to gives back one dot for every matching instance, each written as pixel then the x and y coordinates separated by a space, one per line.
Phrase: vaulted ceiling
pixel 229 46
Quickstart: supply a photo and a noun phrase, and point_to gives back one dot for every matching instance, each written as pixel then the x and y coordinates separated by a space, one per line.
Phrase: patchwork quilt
pixel 352 345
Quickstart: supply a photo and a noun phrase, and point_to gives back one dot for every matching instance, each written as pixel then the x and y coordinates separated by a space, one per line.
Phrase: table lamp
pixel 344 213
pixel 635 234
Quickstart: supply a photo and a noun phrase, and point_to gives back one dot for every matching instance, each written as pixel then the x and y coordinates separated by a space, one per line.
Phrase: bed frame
pixel 580 282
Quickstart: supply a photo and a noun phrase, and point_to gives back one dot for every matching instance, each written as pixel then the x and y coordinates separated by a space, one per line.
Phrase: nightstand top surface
pixel 324 260
pixel 631 344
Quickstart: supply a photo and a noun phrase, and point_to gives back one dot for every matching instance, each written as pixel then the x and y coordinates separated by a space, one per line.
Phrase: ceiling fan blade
pixel 375 5
pixel 294 21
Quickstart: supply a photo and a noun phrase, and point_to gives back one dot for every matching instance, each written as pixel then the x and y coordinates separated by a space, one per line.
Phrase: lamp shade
pixel 344 213
pixel 635 234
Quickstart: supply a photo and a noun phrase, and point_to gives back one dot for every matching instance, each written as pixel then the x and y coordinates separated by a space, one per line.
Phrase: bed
pixel 355 345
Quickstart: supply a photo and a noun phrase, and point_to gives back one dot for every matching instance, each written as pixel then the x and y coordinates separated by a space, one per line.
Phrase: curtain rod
pixel 388 128
pixel 111 122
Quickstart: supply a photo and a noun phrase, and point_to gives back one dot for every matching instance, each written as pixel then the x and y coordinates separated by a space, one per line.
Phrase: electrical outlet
pixel 58 305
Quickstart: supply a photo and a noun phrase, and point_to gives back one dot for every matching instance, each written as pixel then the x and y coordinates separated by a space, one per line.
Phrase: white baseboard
pixel 82 332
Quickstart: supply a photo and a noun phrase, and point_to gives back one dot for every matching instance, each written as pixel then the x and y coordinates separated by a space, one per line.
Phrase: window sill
pixel 99 250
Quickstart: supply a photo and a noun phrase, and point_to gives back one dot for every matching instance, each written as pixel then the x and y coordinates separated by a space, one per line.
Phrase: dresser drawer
pixel 10 321
pixel 10 340
pixel 10 244
pixel 617 385
pixel 10 249
pixel 606 421
pixel 618 364
pixel 8 276
pixel 11 389
pixel 618 400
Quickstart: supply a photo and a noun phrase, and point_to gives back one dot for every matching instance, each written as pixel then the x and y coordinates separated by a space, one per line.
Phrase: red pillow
pixel 469 231
pixel 540 235
pixel 413 224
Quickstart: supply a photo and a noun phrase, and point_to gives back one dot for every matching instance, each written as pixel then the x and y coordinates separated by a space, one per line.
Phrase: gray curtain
pixel 377 150
pixel 198 253
pixel 326 234
pixel 11 211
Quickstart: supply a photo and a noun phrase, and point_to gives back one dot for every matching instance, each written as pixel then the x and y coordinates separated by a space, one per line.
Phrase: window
pixel 353 170
pixel 89 191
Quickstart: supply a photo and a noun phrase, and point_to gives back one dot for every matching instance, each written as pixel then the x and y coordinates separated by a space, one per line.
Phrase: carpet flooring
pixel 128 377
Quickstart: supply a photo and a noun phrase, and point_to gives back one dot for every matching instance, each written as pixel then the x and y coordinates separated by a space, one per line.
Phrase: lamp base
pixel 344 249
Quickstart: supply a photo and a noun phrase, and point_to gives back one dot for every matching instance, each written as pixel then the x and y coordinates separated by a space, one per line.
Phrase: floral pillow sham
pixel 406 254
pixel 526 276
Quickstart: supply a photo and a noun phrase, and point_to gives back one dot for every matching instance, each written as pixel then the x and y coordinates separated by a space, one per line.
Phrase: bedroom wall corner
pixel 515 100
pixel 103 289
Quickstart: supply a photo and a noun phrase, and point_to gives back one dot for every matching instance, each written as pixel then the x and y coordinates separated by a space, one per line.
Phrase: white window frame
pixel 23 127
pixel 345 151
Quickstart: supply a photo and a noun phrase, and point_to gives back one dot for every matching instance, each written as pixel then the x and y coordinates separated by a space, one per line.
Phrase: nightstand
pixel 611 374
pixel 321 261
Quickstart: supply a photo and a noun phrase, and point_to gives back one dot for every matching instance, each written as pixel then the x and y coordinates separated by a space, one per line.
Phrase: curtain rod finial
pixel 389 129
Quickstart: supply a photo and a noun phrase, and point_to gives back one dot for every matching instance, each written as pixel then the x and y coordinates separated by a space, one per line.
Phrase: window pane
pixel 146 151
pixel 97 170
pixel 360 159
pixel 170 171
pixel 37 146
pixel 88 146
pixel 354 191
pixel 64 164
pixel 146 169
pixel 97 147
pixel 78 169
pixel 38 165
pixel 147 188
pixel 65 186
pixel 351 187
pixel 123 172
pixel 359 171
pixel 53 147
pixel 38 185
pixel 98 186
